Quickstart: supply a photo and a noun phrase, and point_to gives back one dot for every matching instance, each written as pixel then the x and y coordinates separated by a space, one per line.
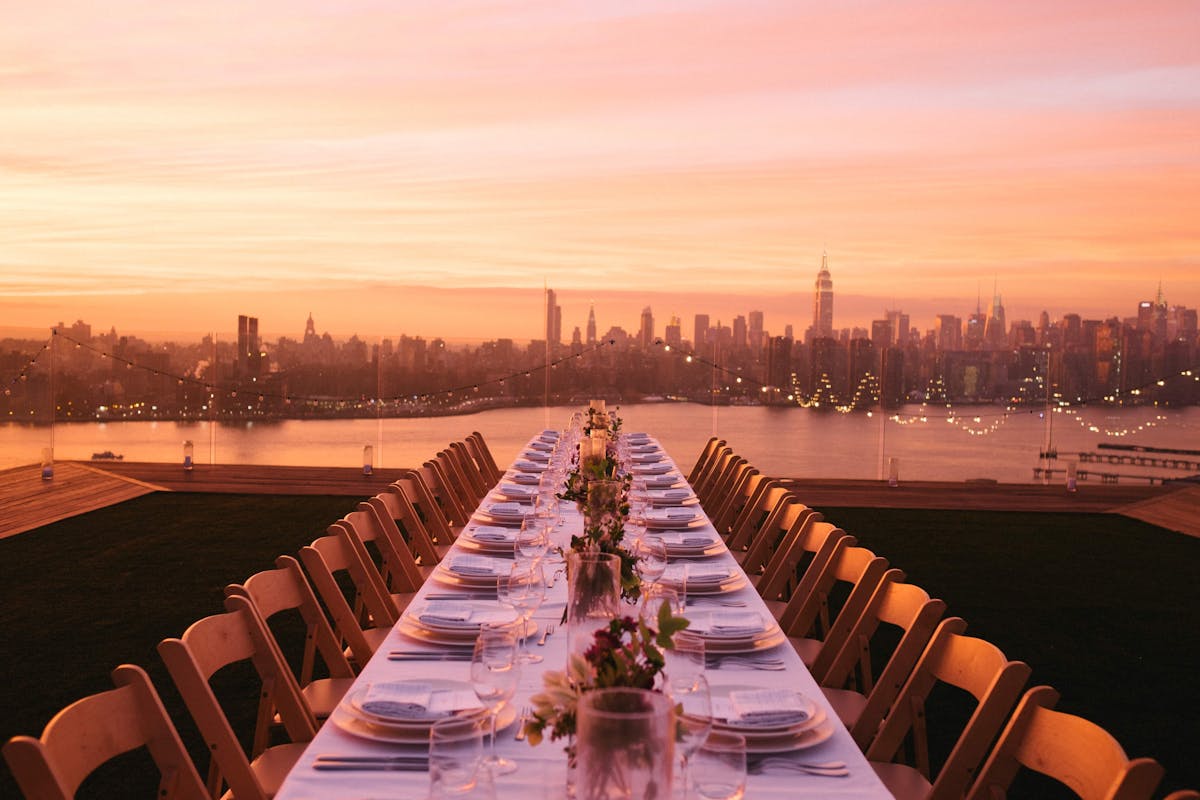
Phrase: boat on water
pixel 107 455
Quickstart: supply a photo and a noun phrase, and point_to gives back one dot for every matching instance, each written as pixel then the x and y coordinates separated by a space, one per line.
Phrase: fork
pixel 753 662
pixel 829 769
pixel 526 712
pixel 717 602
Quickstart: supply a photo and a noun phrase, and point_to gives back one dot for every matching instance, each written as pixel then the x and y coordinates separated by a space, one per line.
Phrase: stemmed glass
pixel 494 673
pixel 524 588
pixel 532 541
pixel 651 554
pixel 685 660
pixel 691 694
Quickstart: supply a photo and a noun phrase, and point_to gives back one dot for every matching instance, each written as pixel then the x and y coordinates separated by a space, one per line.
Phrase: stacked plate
pixel 675 518
pixel 488 538
pixel 475 571
pixel 683 544
pixel 526 478
pixel 703 577
pixel 453 622
pixel 536 455
pixel 646 458
pixel 660 468
pixel 403 711
pixel 772 720
pixel 504 512
pixel 663 498
pixel 662 482
pixel 729 631
pixel 525 465
pixel 538 444
pixel 516 491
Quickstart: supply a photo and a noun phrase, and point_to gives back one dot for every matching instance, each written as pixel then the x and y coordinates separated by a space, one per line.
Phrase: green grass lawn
pixel 1103 608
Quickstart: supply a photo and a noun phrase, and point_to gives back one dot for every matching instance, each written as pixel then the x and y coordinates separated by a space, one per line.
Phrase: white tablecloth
pixel 542 769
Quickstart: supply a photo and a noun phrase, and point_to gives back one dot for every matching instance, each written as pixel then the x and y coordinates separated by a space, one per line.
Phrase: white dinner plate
pixel 816 716
pixel 357 726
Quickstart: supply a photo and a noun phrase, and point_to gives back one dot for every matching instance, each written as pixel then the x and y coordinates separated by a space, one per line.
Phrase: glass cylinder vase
pixel 593 595
pixel 603 505
pixel 625 745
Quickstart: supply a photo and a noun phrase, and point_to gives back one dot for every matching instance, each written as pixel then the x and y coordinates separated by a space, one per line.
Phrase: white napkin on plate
pixel 534 455
pixel 508 510
pixel 398 699
pixel 530 466
pixel 769 707
pixel 473 565
pixel 517 490
pixel 732 623
pixel 697 572
pixel 490 533
pixel 526 478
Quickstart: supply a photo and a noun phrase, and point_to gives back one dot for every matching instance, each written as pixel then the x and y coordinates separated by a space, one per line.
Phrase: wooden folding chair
pixel 361 618
pixel 894 603
pixel 441 489
pixel 788 517
pixel 100 727
pixel 973 665
pixel 712 470
pixel 463 470
pixel 721 488
pixel 799 538
pixel 1073 751
pixel 211 644
pixel 285 589
pixel 421 494
pixel 735 500
pixel 397 570
pixel 394 502
pixel 703 461
pixel 483 455
pixel 811 550
pixel 816 633
pixel 741 533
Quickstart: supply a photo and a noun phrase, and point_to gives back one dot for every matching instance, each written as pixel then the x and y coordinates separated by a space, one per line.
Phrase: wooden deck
pixel 1177 511
pixel 28 502
pixel 1089 499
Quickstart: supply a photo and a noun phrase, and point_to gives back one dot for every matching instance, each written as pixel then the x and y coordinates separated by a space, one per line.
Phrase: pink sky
pixel 166 166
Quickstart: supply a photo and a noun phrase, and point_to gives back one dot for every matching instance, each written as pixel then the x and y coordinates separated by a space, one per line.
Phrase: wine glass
pixel 691 694
pixel 651 555
pixel 455 753
pixel 720 766
pixel 531 542
pixel 685 659
pixel 494 673
pixel 653 596
pixel 524 589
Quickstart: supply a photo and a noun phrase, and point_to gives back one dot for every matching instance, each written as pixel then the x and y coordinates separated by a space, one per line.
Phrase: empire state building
pixel 823 301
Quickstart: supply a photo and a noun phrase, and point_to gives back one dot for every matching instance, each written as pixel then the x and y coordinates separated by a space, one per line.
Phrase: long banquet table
pixel 542 770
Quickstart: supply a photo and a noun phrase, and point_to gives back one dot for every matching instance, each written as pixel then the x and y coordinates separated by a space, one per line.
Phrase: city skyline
pixel 439 165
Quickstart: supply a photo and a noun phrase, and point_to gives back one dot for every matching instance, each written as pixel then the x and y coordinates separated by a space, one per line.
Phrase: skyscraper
pixel 248 359
pixel 591 325
pixel 823 301
pixel 996 333
pixel 646 334
pixel 553 321
pixel 756 332
pixel 700 338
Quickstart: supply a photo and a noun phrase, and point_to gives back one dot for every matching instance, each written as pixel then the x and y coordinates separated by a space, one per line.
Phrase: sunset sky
pixel 425 167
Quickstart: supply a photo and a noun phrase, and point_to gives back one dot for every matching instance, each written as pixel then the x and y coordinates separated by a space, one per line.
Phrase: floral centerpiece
pixel 627 653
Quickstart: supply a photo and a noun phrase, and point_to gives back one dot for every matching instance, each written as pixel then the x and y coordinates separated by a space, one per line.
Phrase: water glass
pixel 455 753
pixel 719 768
pixel 653 596
pixel 494 673
pixel 694 721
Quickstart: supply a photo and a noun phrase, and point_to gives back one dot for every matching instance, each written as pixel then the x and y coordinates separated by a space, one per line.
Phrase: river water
pixel 787 442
